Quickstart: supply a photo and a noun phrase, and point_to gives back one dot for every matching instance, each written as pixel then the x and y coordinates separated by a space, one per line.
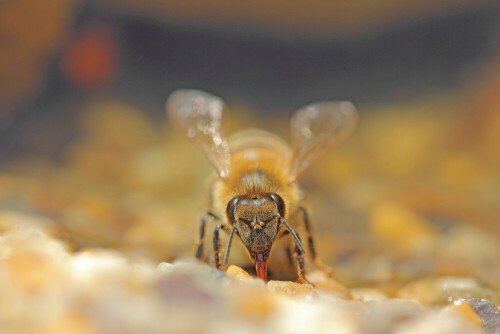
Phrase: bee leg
pixel 290 255
pixel 310 240
pixel 200 251
pixel 310 244
pixel 301 272
pixel 298 264
pixel 299 253
pixel 216 245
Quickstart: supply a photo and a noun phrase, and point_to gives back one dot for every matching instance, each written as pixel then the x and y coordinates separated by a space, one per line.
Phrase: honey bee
pixel 256 195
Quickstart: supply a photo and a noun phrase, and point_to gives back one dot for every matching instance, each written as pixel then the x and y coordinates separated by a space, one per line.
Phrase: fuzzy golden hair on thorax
pixel 256 172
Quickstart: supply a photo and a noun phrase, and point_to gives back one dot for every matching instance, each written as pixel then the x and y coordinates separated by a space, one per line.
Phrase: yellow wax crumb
pixel 466 312
pixel 327 284
pixel 368 294
pixel 237 273
pixel 289 288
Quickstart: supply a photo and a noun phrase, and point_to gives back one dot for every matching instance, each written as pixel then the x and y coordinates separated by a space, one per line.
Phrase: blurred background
pixel 271 56
pixel 84 143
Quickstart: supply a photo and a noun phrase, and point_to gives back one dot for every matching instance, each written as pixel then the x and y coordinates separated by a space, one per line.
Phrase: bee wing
pixel 317 127
pixel 199 115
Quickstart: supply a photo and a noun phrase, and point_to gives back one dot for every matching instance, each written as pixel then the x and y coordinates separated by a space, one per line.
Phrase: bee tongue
pixel 261 267
pixel 261 264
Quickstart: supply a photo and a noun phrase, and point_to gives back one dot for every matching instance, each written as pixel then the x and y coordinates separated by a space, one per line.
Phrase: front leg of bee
pixel 310 243
pixel 200 250
pixel 216 245
pixel 301 271
pixel 299 253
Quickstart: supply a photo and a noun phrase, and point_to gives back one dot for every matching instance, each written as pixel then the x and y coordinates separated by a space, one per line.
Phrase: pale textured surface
pixel 45 289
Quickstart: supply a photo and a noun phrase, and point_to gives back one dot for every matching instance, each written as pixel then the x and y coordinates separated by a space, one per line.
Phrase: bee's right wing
pixel 199 115
pixel 317 127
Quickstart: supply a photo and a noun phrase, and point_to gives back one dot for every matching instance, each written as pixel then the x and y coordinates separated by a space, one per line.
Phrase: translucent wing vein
pixel 317 127
pixel 199 115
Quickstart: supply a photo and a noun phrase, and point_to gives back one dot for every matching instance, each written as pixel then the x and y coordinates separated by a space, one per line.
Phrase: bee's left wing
pixel 199 115
pixel 317 127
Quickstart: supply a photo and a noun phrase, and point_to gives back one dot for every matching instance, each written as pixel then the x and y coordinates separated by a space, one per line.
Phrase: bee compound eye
pixel 230 209
pixel 280 205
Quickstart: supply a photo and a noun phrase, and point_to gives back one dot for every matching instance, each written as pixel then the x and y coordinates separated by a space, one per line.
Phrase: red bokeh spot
pixel 91 60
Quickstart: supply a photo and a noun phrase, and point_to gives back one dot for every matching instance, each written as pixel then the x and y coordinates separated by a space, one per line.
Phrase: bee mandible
pixel 255 196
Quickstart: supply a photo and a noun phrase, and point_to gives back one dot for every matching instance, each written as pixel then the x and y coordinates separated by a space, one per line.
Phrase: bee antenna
pixel 294 235
pixel 226 256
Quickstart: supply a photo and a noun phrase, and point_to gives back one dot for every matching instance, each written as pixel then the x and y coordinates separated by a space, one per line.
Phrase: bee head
pixel 257 221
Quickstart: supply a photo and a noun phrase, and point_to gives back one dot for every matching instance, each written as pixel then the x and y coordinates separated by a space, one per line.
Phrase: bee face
pixel 256 219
